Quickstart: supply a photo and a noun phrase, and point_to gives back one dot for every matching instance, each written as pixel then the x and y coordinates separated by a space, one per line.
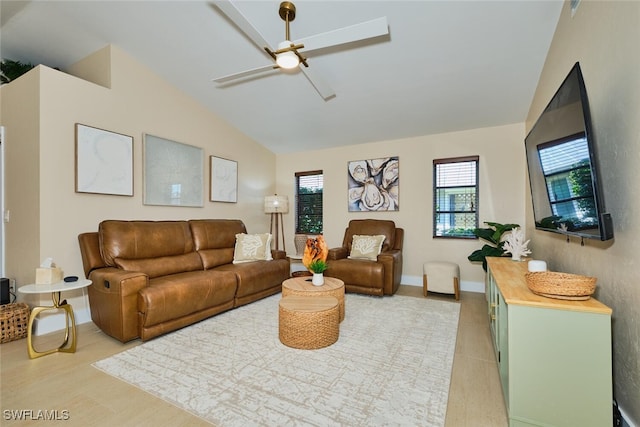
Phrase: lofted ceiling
pixel 445 65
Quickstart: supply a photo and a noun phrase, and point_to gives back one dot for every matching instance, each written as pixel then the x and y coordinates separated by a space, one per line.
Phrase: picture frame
pixel 173 173
pixel 223 180
pixel 103 161
pixel 374 185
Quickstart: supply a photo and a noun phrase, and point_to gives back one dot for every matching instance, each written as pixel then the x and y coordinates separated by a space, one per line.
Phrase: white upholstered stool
pixel 441 276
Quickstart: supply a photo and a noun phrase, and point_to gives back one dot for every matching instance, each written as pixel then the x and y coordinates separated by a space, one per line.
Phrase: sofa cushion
pixel 366 247
pixel 156 248
pixel 162 266
pixel 143 239
pixel 252 247
pixel 174 296
pixel 215 239
pixel 214 257
pixel 257 277
pixel 215 233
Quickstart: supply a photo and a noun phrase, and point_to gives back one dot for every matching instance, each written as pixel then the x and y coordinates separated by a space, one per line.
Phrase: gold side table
pixel 70 338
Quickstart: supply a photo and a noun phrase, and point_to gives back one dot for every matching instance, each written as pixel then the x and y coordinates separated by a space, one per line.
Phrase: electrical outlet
pixel 12 286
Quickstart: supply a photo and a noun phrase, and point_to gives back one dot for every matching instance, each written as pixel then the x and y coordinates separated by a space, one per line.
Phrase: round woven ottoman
pixel 308 323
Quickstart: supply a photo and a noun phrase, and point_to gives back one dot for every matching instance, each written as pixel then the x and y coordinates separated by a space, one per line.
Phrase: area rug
pixel 390 366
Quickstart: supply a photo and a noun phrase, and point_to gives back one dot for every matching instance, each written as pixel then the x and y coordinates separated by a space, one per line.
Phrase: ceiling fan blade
pixel 365 30
pixel 241 74
pixel 237 17
pixel 318 83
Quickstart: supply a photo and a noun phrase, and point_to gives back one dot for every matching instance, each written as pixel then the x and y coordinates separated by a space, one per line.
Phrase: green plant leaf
pixel 494 236
pixel 318 266
pixel 11 70
pixel 486 234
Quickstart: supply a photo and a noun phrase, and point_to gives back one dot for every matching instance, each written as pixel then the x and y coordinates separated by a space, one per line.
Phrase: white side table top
pixel 54 287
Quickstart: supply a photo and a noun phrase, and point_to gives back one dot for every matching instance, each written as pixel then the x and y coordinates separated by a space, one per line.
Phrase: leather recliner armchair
pixel 379 277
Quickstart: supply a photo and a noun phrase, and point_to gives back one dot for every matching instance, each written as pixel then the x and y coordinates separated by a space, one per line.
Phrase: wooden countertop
pixel 509 277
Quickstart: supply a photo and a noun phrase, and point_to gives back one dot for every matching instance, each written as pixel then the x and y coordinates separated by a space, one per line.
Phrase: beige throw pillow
pixel 366 247
pixel 252 247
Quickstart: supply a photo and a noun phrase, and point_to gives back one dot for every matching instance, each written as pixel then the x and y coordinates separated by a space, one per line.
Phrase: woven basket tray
pixel 561 285
pixel 13 321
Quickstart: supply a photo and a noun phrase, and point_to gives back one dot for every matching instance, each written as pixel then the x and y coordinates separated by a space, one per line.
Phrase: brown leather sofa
pixel 379 277
pixel 153 277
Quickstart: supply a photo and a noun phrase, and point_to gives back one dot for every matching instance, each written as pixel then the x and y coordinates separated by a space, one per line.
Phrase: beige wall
pixel 39 112
pixel 502 163
pixel 604 37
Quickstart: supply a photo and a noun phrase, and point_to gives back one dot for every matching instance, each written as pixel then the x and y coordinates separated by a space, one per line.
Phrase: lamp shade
pixel 286 60
pixel 275 203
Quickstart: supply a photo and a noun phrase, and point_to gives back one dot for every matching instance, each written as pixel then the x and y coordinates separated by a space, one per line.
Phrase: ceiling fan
pixel 293 54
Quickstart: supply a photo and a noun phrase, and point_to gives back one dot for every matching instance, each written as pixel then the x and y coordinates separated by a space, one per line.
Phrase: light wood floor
pixel 68 384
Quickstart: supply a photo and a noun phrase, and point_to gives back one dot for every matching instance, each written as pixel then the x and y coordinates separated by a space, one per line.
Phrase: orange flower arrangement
pixel 315 249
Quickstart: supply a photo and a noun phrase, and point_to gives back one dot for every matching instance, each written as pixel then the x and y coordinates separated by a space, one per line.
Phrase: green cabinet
pixel 554 356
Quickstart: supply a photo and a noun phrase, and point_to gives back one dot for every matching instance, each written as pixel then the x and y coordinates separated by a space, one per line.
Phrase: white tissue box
pixel 47 276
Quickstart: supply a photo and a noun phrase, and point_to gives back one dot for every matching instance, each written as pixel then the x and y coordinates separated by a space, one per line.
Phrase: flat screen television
pixel 562 163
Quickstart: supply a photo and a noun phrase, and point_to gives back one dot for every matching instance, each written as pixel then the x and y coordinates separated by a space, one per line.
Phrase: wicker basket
pixel 14 319
pixel 561 285
pixel 308 323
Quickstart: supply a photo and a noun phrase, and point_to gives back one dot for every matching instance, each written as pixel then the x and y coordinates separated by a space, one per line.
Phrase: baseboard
pixel 465 286
pixel 51 322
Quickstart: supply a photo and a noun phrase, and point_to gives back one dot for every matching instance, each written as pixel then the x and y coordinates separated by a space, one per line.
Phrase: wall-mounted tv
pixel 562 163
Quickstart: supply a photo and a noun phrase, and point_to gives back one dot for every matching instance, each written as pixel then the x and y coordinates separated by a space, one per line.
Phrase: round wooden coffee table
pixel 302 286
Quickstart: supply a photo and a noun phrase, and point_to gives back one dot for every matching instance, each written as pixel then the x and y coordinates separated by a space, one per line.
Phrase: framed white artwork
pixel 104 161
pixel 223 180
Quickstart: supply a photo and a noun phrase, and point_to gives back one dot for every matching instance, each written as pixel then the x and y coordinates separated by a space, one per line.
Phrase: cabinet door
pixel 503 345
pixel 492 308
pixel 559 367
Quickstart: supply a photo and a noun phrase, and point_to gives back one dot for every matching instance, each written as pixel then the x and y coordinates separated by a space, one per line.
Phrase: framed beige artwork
pixel 173 173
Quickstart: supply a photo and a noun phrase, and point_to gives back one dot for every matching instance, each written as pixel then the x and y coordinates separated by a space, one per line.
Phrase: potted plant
pixel 493 235
pixel 11 70
pixel 318 267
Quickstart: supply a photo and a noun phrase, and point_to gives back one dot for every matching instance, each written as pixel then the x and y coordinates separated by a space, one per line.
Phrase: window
pixel 309 202
pixel 455 197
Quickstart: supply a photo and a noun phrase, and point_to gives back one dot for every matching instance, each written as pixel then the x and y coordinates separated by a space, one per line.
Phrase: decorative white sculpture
pixel 515 244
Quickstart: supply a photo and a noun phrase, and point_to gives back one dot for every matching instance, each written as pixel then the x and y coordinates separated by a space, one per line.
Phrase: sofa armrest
pixel 393 255
pixel 121 282
pixel 113 300
pixel 392 261
pixel 337 253
pixel 278 254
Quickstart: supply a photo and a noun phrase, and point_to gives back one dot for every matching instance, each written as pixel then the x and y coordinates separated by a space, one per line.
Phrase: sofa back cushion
pixel 371 227
pixel 215 239
pixel 156 248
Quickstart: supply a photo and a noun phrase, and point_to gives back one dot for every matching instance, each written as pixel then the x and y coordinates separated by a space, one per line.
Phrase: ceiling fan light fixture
pixel 288 59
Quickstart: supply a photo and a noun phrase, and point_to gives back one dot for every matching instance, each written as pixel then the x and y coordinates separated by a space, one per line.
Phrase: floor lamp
pixel 276 206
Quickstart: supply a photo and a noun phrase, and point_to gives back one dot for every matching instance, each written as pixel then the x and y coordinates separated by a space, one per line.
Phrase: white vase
pixel 317 279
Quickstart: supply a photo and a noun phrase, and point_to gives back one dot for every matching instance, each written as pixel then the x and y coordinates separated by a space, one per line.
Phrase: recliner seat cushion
pixel 171 297
pixel 358 272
